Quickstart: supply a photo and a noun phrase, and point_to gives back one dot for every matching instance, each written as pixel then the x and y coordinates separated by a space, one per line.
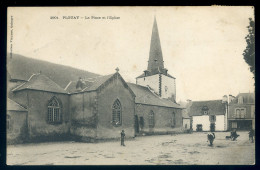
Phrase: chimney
pixel 146 73
pixel 79 85
pixel 224 99
pixel 230 98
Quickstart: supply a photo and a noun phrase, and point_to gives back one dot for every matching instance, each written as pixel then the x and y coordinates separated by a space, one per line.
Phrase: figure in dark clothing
pixel 251 135
pixel 123 138
pixel 211 138
pixel 234 135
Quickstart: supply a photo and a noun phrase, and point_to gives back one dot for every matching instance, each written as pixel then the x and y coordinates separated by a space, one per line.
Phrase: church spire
pixel 155 62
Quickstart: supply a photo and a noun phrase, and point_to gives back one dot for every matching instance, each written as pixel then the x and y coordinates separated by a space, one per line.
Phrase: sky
pixel 202 46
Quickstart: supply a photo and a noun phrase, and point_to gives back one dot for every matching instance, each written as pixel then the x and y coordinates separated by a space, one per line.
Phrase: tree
pixel 249 52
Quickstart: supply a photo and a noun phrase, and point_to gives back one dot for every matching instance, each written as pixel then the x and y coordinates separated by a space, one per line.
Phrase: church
pixel 51 104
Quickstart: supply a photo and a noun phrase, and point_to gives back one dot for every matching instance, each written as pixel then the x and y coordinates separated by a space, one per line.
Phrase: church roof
pixel 13 106
pixel 155 55
pixel 155 63
pixel 215 107
pixel 71 87
pixel 40 82
pixel 98 82
pixel 145 96
pixel 143 75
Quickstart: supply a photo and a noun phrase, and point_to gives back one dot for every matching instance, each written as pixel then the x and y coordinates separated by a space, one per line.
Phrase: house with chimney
pixel 241 112
pixel 210 115
pixel 62 103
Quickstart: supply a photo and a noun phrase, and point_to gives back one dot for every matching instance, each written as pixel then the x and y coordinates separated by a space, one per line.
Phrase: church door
pixel 136 124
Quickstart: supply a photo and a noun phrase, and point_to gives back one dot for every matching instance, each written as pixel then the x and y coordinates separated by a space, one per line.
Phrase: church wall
pixel 170 90
pixel 39 128
pixel 20 97
pixel 163 118
pixel 83 114
pixel 152 81
pixel 106 98
pixel 17 126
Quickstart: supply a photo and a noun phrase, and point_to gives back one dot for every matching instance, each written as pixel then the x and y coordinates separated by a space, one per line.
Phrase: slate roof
pixel 40 82
pixel 13 106
pixel 142 75
pixel 98 82
pixel 216 107
pixel 145 96
pixel 248 98
pixel 71 87
pixel 185 114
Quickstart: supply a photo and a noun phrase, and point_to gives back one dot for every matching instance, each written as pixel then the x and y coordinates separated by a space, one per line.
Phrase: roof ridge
pixel 18 86
pixel 68 85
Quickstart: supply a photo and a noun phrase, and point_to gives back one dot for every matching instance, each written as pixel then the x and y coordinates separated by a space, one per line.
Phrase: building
pixel 208 115
pixel 155 115
pixel 15 122
pixel 241 112
pixel 156 76
pixel 186 119
pixel 155 92
pixel 55 105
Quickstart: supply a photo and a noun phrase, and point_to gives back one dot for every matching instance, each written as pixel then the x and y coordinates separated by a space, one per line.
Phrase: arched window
pixel 151 119
pixel 117 113
pixel 54 113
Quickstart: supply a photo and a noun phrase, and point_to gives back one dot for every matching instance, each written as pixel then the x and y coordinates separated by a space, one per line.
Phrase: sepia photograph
pixel 143 85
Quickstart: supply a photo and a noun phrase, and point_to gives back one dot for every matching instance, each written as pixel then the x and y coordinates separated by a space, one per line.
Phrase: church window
pixel 54 114
pixel 8 123
pixel 117 113
pixel 166 89
pixel 173 120
pixel 151 119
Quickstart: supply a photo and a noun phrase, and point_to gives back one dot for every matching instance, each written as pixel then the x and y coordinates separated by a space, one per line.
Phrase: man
pixel 251 135
pixel 211 138
pixel 234 135
pixel 123 138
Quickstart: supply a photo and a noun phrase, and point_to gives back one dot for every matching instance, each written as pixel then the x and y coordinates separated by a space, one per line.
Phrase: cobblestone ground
pixel 179 149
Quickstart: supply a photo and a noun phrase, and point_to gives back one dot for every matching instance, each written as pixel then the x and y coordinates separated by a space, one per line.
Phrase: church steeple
pixel 155 63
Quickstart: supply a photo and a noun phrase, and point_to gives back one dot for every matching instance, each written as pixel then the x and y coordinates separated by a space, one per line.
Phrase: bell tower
pixel 156 76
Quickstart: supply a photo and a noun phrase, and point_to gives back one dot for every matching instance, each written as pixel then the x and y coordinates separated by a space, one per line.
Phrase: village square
pixel 61 115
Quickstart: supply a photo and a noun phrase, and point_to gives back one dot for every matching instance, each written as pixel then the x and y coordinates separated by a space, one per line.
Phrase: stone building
pixel 55 105
pixel 241 112
pixel 208 115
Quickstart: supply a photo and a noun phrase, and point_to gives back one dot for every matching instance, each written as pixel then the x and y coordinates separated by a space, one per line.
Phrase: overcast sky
pixel 202 46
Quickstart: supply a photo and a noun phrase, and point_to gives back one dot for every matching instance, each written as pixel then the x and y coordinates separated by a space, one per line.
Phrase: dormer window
pixel 205 110
pixel 240 100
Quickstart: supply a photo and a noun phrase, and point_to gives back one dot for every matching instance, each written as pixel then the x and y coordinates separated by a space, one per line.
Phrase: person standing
pixel 123 138
pixel 251 135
